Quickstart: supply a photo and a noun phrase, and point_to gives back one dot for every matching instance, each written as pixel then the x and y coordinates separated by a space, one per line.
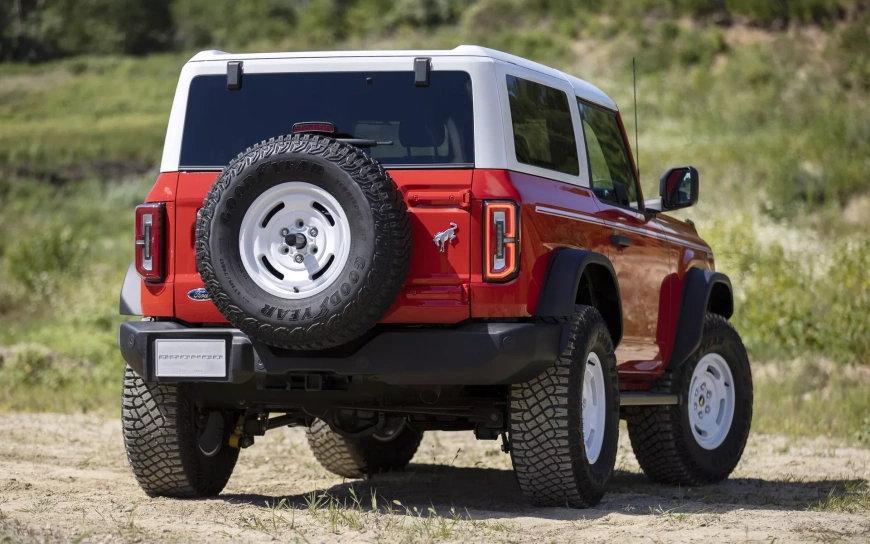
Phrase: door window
pixel 610 167
pixel 543 130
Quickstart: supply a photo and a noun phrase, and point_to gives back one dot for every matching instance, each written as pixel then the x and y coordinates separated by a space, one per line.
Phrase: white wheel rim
pixel 711 401
pixel 594 408
pixel 290 209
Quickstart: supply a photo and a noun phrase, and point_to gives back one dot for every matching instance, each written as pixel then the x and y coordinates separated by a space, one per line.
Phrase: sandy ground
pixel 65 478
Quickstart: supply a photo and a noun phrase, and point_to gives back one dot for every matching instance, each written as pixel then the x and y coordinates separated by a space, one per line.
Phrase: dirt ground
pixel 65 478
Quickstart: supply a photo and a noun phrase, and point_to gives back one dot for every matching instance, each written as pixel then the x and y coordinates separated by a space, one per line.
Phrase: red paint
pixel 158 299
pixel 435 199
pixel 192 188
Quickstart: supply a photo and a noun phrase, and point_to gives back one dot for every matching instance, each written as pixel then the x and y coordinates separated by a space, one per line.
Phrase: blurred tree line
pixel 38 30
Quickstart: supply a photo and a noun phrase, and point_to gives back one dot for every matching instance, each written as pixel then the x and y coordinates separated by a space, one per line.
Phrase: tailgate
pixel 436 290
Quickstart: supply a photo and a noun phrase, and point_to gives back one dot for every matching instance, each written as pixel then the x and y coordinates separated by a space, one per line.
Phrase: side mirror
pixel 679 188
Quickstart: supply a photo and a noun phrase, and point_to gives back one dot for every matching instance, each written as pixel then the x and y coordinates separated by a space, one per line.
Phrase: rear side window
pixel 543 131
pixel 610 167
pixel 428 126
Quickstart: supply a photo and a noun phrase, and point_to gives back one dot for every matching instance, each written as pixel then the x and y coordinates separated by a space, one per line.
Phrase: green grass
pixel 79 117
pixel 812 398
pixel 67 305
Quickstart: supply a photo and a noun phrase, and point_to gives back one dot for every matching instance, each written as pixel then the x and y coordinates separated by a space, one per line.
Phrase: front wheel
pixel 564 424
pixel 701 440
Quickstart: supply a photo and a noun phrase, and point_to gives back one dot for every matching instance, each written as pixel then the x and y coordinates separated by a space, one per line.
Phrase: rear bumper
pixel 472 354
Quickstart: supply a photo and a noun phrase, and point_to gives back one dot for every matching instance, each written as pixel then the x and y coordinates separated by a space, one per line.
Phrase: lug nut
pixel 312 232
pixel 285 232
pixel 300 223
pixel 709 394
pixel 298 258
pixel 707 410
pixel 696 406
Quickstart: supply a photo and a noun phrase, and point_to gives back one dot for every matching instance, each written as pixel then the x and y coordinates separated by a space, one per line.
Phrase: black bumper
pixel 473 354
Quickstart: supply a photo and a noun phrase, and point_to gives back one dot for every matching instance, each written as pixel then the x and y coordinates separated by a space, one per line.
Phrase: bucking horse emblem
pixel 445 236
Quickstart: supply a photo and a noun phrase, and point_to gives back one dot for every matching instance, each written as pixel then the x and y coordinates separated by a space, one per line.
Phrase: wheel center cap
pixel 296 240
pixel 701 401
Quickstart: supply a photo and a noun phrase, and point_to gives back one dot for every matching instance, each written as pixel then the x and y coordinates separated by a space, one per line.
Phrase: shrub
pixel 812 300
pixel 43 257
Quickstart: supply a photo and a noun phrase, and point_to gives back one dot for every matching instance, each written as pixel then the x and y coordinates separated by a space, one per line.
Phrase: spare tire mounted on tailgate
pixel 303 242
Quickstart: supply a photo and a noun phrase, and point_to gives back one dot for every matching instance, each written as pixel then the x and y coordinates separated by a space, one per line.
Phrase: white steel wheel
pixel 294 240
pixel 711 401
pixel 594 408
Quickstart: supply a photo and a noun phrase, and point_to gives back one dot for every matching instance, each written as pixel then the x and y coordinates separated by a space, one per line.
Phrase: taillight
pixel 150 223
pixel 502 240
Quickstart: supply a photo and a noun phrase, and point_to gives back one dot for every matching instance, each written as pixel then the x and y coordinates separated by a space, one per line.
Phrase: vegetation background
pixel 767 98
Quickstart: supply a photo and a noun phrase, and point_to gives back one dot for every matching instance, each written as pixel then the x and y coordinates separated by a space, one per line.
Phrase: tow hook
pixel 239 439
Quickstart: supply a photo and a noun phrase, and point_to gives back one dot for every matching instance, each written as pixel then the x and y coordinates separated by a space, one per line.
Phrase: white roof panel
pixel 584 89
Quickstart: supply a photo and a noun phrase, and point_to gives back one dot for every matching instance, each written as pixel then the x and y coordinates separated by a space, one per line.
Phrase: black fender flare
pixel 703 291
pixel 563 278
pixel 131 293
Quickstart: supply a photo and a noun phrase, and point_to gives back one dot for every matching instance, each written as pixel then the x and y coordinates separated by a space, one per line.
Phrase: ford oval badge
pixel 199 294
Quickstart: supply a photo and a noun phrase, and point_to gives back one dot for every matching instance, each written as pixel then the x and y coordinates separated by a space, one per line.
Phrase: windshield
pixel 428 126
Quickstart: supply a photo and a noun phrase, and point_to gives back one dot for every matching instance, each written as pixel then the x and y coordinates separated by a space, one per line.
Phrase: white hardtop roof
pixel 583 89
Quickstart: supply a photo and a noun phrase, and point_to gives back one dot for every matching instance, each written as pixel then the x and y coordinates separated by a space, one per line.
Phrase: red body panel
pixel 436 290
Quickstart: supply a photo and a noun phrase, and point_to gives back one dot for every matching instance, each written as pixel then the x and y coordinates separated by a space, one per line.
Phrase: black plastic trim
pixel 422 67
pixel 131 292
pixel 473 354
pixel 235 68
pixel 559 292
pixel 694 303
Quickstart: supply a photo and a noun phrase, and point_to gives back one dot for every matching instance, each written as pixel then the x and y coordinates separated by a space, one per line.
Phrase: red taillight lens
pixel 328 128
pixel 501 240
pixel 150 227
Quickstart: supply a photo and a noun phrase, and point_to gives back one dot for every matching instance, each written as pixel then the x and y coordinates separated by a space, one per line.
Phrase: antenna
pixel 636 145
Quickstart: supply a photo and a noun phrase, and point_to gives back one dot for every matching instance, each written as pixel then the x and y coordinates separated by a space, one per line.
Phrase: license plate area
pixel 189 358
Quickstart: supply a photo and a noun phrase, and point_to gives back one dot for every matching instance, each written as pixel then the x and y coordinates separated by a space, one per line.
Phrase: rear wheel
pixel 701 440
pixel 389 449
pixel 174 450
pixel 564 424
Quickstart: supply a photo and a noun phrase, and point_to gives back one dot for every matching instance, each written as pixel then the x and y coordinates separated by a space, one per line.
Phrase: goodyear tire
pixel 168 446
pixel 391 449
pixel 701 440
pixel 303 242
pixel 564 424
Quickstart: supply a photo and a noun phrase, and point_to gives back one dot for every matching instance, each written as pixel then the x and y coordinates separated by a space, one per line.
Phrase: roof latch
pixel 422 67
pixel 234 75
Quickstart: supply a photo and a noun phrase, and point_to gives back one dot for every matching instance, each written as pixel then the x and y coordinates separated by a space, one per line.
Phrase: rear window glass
pixel 543 131
pixel 427 125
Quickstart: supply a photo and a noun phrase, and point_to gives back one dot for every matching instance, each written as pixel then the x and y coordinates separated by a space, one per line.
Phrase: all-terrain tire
pixel 379 250
pixel 662 437
pixel 160 436
pixel 546 426
pixel 355 458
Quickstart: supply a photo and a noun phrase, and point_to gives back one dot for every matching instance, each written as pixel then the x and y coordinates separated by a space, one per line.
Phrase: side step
pixel 647 399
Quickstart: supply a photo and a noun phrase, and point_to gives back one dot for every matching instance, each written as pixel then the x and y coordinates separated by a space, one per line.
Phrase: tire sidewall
pixel 242 189
pixel 600 472
pixel 724 457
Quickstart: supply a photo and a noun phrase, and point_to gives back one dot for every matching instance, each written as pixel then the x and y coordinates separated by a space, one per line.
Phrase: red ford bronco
pixel 376 244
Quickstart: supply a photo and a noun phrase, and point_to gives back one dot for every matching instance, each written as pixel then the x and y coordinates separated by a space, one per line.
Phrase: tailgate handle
pixel 457 199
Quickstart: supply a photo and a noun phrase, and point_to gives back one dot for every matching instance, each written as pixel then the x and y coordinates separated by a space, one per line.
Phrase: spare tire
pixel 303 242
